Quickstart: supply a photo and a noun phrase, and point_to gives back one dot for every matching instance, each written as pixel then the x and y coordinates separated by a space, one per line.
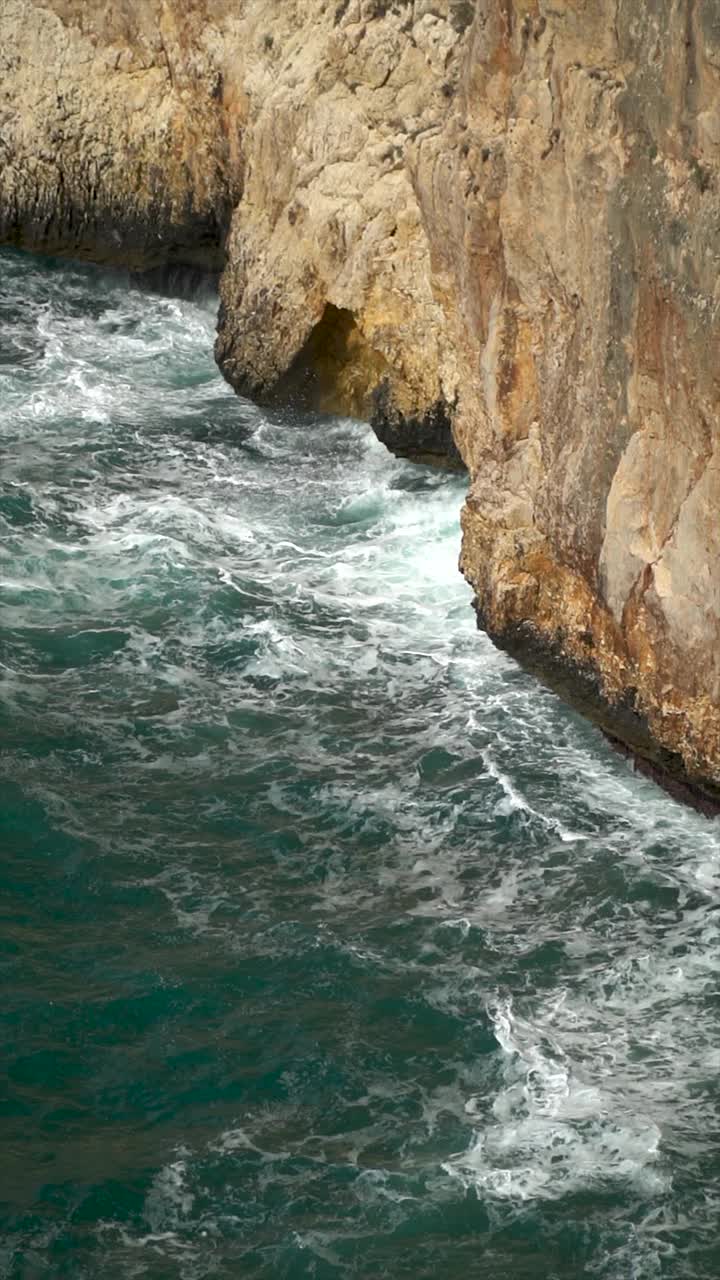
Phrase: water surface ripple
pixel 332 945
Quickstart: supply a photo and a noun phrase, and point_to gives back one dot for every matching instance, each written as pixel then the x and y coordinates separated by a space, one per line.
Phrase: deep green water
pixel 332 946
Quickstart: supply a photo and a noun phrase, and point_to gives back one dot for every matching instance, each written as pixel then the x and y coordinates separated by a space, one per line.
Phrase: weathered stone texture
pixel 330 223
pixel 497 214
pixel 592 529
pixel 113 141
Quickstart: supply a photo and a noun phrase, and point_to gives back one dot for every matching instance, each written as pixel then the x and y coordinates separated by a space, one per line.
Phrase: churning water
pixel 332 945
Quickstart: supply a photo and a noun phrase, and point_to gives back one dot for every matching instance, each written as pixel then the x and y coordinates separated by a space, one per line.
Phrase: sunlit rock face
pixel 591 533
pixel 468 220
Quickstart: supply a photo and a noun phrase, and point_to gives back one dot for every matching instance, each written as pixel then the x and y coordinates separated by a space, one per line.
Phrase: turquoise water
pixel 332 945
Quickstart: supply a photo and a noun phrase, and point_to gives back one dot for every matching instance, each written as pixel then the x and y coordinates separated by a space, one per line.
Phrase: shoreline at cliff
pixel 622 725
pixel 493 231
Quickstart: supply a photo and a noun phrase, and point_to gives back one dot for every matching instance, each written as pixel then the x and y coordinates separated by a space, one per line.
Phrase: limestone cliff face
pixel 329 293
pixel 591 530
pixel 113 142
pixel 495 218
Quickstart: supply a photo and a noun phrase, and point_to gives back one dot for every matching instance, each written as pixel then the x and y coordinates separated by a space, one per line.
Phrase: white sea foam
pixel 558 1125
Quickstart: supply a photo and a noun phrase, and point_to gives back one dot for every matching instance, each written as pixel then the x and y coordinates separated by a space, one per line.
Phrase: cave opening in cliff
pixel 337 370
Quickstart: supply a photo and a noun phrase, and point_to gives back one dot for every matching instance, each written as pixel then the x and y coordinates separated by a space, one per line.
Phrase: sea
pixel 332 944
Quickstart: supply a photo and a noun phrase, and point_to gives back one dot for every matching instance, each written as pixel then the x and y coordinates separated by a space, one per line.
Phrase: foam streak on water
pixel 332 945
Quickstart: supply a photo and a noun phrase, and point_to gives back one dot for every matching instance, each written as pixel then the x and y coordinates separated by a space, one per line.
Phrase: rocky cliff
pixel 488 226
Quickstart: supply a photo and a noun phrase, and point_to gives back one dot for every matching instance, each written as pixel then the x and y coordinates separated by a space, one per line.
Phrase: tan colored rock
pixel 328 293
pixel 113 142
pixel 500 214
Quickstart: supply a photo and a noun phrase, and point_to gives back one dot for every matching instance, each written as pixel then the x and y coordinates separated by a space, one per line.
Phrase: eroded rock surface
pixel 484 217
pixel 113 142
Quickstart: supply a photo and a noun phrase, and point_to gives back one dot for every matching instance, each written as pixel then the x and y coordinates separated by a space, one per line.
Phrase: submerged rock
pixel 492 228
